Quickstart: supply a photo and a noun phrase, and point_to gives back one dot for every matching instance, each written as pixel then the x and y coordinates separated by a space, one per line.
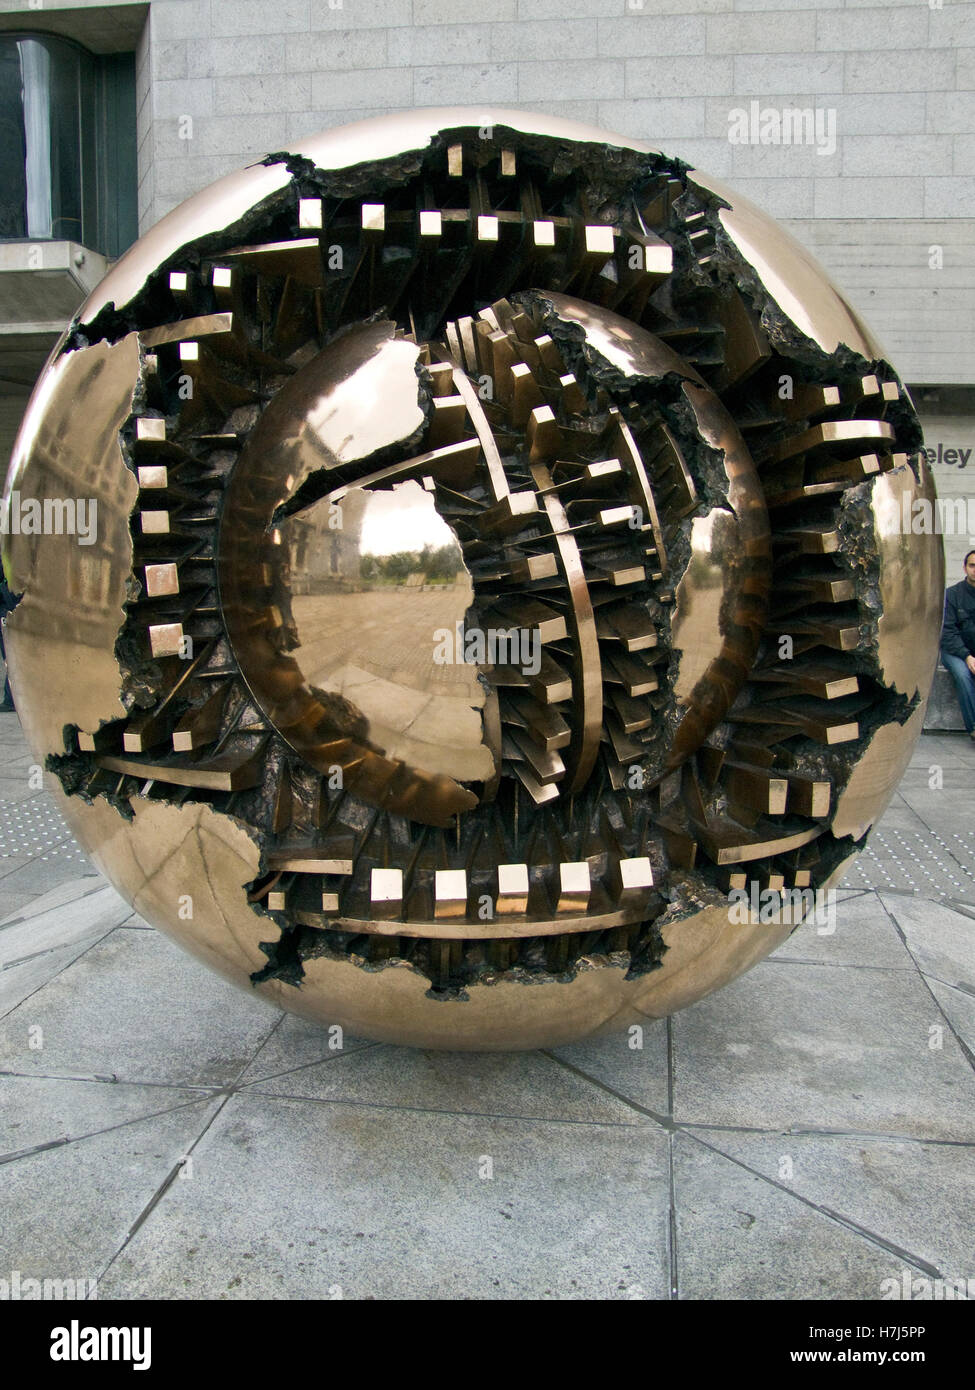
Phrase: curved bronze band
pixel 293 438
pixel 460 929
pixel 485 435
pixel 587 671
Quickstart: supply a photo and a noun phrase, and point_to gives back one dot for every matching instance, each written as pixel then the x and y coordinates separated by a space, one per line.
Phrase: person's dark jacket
pixel 958 632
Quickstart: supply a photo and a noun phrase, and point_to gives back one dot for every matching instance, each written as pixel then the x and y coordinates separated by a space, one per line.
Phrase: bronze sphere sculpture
pixel 499 560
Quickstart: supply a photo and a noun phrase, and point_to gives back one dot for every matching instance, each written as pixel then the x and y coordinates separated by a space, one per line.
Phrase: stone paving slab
pixel 393 1207
pixel 917 1199
pixel 641 1073
pixel 15 789
pixel 942 941
pixel 47 934
pixel 958 1007
pixel 66 1212
pixel 823 1047
pixel 900 857
pixel 12 904
pixel 42 873
pixel 294 1043
pixel 864 934
pixel 39 1112
pixel 740 1236
pixel 137 1007
pixel 73 916
pixel 522 1085
pixel 61 896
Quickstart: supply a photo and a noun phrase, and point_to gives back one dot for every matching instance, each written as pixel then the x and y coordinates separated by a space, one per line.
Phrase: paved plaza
pixel 807 1132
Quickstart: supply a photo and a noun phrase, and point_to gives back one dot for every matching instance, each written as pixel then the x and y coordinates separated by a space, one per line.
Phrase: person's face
pixel 970 569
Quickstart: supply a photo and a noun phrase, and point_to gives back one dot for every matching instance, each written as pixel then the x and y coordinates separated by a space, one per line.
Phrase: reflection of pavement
pixel 376 649
pixel 388 632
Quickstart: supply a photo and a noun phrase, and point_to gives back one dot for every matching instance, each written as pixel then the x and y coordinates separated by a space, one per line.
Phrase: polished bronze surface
pixel 62 633
pixel 309 599
pixel 500 556
pixel 425 712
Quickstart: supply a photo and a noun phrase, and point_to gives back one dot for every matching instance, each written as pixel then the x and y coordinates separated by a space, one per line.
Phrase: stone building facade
pixel 879 181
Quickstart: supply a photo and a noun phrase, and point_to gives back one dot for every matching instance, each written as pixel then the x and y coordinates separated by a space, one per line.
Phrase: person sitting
pixel 958 640
pixel 6 606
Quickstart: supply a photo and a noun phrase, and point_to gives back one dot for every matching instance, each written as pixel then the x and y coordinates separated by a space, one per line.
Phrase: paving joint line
pixel 966 1051
pixel 880 1241
pixel 66 1139
pixel 248 1093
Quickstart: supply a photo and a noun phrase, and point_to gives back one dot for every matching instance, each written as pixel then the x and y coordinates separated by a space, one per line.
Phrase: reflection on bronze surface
pixel 911 585
pixel 472 604
pixel 696 631
pixel 911 589
pixel 62 633
pixel 348 602
pixel 312 635
pixel 791 275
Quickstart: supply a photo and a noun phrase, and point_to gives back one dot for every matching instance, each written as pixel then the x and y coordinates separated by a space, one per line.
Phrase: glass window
pixel 67 143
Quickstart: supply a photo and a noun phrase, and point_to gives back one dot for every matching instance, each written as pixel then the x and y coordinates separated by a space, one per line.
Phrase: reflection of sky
pixel 374 407
pixel 403 520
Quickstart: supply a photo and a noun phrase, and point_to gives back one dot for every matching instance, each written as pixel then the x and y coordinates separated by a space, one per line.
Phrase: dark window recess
pixel 67 144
